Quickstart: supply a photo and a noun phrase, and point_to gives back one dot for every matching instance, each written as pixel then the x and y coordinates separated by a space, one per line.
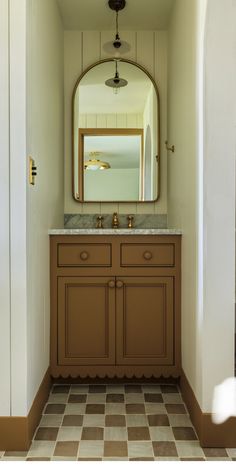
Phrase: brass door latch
pixel 32 171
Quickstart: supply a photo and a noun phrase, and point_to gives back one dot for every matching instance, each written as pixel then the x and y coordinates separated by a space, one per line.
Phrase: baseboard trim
pixel 210 434
pixel 16 433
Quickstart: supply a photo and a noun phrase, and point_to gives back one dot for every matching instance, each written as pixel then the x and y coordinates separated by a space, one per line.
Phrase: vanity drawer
pixel 84 255
pixel 148 254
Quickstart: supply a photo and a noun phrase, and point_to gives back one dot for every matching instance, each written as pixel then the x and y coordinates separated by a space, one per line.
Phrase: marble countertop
pixel 81 232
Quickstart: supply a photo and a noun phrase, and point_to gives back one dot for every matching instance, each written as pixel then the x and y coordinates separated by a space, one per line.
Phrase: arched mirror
pixel 116 134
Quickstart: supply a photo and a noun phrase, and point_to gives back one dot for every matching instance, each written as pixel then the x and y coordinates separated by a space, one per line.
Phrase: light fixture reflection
pixel 94 164
pixel 116 82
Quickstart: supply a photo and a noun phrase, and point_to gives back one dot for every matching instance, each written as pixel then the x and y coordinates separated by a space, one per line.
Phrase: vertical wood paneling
pixel 91 47
pixel 149 49
pixel 91 121
pixel 73 59
pixel 146 50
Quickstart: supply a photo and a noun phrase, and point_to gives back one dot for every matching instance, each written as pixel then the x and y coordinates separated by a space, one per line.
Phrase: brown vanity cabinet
pixel 115 306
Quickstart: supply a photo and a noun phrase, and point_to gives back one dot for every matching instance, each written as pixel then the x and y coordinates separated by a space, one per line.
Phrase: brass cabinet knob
pixel 147 255
pixel 111 284
pixel 119 284
pixel 84 256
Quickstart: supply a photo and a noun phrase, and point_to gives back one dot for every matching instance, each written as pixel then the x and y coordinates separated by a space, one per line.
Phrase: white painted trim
pixel 18 176
pixel 5 213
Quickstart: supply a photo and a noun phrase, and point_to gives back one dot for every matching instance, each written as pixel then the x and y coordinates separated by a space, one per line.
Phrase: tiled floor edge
pixel 210 434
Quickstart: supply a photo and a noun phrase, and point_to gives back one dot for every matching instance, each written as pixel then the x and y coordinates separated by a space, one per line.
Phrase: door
pixel 86 321
pixel 144 318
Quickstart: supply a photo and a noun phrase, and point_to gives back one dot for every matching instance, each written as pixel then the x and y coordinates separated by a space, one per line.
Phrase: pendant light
pixel 94 164
pixel 116 82
pixel 117 47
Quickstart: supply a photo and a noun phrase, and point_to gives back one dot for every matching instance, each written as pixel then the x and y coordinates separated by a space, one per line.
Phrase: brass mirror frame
pixel 77 195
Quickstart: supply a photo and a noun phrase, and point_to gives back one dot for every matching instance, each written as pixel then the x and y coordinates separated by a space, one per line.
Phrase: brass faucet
pixel 130 219
pixel 115 221
pixel 99 224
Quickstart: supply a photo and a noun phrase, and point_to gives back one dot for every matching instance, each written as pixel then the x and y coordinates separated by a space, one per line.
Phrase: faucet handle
pixel 130 219
pixel 115 221
pixel 99 224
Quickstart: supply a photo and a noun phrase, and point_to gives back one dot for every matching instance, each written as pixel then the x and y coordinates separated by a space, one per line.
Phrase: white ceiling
pixel 93 96
pixel 96 15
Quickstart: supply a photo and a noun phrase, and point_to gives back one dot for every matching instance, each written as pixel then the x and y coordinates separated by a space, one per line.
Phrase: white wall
pixel 45 142
pixel 182 167
pixel 201 185
pixel 5 209
pixel 81 50
pixel 218 208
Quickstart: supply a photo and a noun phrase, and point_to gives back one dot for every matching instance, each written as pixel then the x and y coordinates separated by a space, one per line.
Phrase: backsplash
pixel 84 221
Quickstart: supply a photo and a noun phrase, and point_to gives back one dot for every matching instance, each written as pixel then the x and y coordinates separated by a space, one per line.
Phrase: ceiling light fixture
pixel 94 165
pixel 116 82
pixel 117 47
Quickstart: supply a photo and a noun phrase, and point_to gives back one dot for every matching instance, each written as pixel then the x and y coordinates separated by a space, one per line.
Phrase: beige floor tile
pixel 115 420
pixel 115 434
pixel 46 433
pixel 231 452
pixel 134 398
pixel 54 409
pixel 172 398
pixel 66 449
pixel 135 409
pixel 79 389
pixel 152 388
pixel 69 433
pixel 179 420
pixel 75 409
pixel 95 409
pixel 91 448
pixel 155 408
pixel 136 420
pixel 58 398
pixel 140 449
pixel 51 420
pixel 115 389
pixel 115 409
pixel 13 459
pixel 64 459
pixel 60 389
pixel 133 389
pixel 41 449
pixel 73 420
pixel 94 420
pixel 189 449
pixel 115 449
pixel 92 433
pixel 161 433
pixel 113 459
pixel 96 398
pixel 167 459
pixel 14 454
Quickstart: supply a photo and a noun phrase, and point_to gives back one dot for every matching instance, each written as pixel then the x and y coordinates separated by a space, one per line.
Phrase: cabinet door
pixel 144 317
pixel 86 321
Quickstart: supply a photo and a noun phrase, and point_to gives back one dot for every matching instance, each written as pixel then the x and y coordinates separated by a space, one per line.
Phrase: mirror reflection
pixel 116 134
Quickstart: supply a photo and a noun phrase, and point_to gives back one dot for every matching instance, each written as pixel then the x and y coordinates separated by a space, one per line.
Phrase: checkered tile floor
pixel 116 422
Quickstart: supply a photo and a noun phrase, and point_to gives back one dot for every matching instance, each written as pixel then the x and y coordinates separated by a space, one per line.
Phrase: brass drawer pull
pixel 119 284
pixel 111 284
pixel 147 255
pixel 84 256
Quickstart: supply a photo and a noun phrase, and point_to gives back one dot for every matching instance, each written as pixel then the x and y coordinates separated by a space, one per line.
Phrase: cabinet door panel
pixel 86 321
pixel 145 328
